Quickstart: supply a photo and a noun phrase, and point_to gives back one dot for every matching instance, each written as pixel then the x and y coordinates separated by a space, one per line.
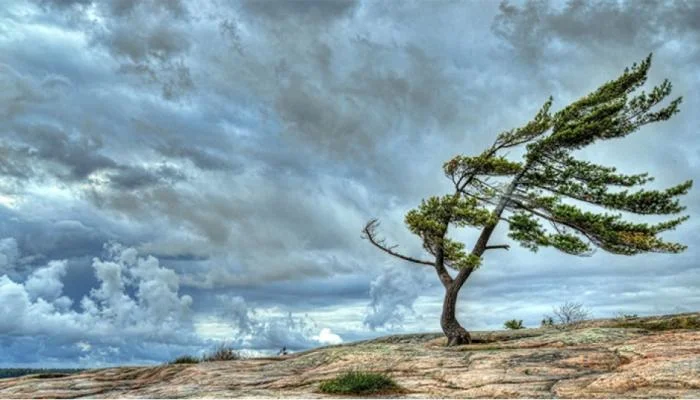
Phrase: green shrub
pixel 547 321
pixel 514 324
pixel 223 353
pixel 360 383
pixel 185 360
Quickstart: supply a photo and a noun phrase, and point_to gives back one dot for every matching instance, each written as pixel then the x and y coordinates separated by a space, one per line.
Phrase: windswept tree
pixel 549 198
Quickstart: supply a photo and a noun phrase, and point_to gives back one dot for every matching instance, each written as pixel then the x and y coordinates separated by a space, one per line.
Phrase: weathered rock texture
pixel 648 357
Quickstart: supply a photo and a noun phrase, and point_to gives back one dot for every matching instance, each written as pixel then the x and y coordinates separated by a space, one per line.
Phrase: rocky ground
pixel 656 357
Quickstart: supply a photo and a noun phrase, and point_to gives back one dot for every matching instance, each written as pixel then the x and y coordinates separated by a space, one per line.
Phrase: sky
pixel 179 174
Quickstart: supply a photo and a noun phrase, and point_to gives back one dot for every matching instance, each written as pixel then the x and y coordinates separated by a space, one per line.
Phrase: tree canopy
pixel 531 195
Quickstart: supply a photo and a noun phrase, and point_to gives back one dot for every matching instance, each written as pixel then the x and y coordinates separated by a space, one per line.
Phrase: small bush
pixel 185 360
pixel 625 317
pixel 514 324
pixel 547 321
pixel 223 353
pixel 360 383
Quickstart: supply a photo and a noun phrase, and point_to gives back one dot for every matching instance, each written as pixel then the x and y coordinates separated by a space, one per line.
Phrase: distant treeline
pixel 15 372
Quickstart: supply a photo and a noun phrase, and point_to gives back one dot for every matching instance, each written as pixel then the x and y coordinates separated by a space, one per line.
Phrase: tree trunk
pixel 456 334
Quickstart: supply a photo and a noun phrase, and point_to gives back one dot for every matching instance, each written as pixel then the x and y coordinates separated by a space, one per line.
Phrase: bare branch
pixel 370 233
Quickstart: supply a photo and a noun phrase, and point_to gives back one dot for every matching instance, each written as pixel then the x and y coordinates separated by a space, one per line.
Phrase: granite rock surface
pixel 655 357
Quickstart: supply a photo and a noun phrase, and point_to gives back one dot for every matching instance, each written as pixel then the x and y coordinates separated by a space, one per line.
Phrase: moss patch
pixel 360 383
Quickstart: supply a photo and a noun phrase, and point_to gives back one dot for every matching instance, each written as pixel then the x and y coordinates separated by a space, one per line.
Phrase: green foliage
pixel 559 167
pixel 528 231
pixel 430 219
pixel 533 129
pixel 547 321
pixel 612 233
pixel 587 182
pixel 554 175
pixel 185 360
pixel 360 383
pixel 471 261
pixel 430 222
pixel 514 324
pixel 482 165
pixel 541 188
pixel 607 113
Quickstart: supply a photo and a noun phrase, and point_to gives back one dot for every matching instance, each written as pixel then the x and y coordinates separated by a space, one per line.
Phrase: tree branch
pixel 497 246
pixel 582 231
pixel 370 233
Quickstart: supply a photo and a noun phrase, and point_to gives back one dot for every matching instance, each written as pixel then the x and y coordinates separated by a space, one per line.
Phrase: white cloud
pixel 46 282
pixel 326 336
pixel 109 317
pixel 393 294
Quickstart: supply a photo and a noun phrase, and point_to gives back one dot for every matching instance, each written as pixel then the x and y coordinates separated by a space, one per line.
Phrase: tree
pixel 568 315
pixel 541 197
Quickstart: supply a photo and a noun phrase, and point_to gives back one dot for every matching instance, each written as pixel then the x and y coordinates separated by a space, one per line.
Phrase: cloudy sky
pixel 174 174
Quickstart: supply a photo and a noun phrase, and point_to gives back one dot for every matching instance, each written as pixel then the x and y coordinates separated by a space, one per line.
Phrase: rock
pixel 599 359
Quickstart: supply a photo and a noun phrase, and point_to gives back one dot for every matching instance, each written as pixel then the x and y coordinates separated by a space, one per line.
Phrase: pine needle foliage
pixel 533 195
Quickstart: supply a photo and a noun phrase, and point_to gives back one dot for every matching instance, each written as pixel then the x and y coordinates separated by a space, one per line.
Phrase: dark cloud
pixel 20 92
pixel 14 162
pixel 47 150
pixel 314 9
pixel 148 39
pixel 175 8
pixel 538 26
pixel 149 45
pixel 79 154
pixel 129 178
pixel 65 3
